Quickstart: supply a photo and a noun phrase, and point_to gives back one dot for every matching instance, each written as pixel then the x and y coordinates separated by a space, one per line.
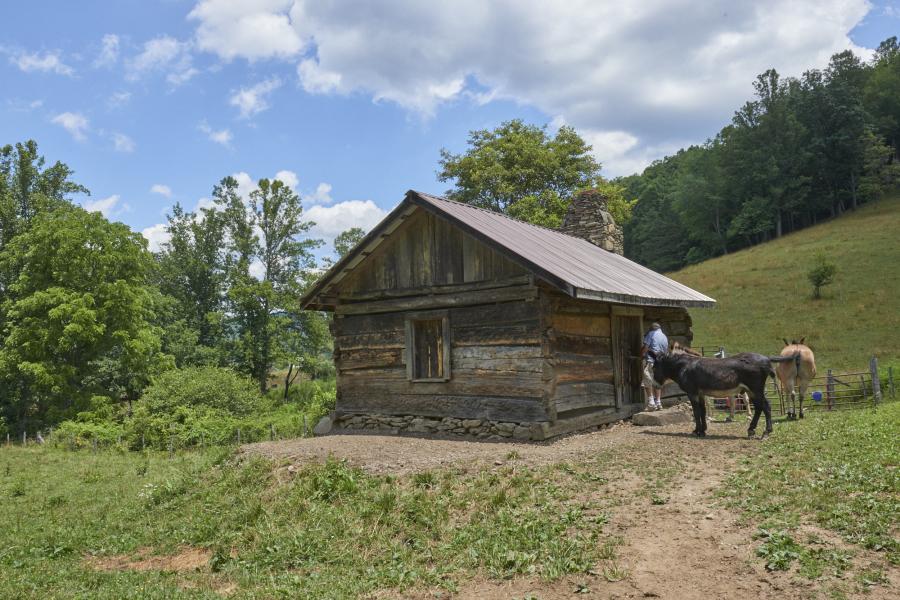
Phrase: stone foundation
pixel 481 429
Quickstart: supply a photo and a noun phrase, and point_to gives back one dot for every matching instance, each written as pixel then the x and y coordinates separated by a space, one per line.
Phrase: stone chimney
pixel 588 217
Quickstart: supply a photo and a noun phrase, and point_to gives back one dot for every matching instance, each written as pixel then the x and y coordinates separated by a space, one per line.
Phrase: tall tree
pixel 269 259
pixel 521 170
pixel 80 302
pixel 192 271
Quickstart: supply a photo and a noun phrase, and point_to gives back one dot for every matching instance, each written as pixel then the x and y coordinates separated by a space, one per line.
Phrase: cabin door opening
pixel 627 340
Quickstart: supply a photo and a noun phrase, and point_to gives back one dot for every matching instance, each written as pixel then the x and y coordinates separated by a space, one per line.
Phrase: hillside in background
pixel 764 295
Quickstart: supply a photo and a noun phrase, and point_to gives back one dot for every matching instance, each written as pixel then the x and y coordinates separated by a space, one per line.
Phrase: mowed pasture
pixel 764 295
pixel 809 513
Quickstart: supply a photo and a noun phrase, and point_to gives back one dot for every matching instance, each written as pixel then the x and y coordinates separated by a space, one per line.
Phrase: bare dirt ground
pixel 689 547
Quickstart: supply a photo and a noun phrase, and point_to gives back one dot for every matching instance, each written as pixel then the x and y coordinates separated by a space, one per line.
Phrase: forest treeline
pixel 804 149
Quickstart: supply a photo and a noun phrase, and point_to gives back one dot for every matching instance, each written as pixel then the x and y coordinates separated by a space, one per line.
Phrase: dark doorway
pixel 626 334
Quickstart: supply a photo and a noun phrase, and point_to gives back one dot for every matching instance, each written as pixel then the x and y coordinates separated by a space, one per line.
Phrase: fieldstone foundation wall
pixel 478 428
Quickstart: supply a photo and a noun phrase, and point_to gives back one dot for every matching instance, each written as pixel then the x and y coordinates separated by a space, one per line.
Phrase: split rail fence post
pixel 876 384
pixel 829 389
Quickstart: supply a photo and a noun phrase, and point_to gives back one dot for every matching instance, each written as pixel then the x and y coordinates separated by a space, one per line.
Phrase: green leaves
pixel 520 170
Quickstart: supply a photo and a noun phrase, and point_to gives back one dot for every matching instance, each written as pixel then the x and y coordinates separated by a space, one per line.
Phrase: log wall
pixel 578 345
pixel 497 367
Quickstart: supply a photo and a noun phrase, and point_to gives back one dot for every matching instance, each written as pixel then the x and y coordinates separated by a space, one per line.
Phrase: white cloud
pixel 163 54
pixel 253 100
pixel 47 62
pixel 156 236
pixel 220 136
pixel 117 99
pixel 339 217
pixel 122 142
pixel 161 189
pixel 322 195
pixel 256 29
pixel 658 71
pixel 288 178
pixel 109 52
pixel 106 206
pixel 75 123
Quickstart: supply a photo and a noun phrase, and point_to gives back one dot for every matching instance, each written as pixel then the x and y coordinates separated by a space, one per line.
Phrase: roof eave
pixel 586 294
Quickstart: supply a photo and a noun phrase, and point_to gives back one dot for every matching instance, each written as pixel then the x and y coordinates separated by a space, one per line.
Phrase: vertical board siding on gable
pixel 579 342
pixel 497 368
pixel 427 251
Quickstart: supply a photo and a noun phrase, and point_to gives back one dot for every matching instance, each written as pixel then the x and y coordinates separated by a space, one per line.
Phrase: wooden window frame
pixel 411 319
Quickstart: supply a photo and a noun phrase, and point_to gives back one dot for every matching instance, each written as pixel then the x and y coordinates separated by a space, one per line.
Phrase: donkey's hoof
pixel 801 414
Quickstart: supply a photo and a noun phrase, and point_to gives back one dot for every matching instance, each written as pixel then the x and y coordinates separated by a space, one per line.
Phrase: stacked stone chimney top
pixel 589 218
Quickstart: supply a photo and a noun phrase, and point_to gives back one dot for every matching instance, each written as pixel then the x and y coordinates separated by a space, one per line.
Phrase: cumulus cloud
pixel 109 51
pixel 106 206
pixel 156 236
pixel 161 189
pixel 122 143
pixel 220 136
pixel 250 29
pixel 637 75
pixel 341 216
pixel 288 178
pixel 163 54
pixel 48 62
pixel 322 195
pixel 254 100
pixel 75 123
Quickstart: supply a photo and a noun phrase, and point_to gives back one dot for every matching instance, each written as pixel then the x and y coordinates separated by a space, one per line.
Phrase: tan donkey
pixel 794 375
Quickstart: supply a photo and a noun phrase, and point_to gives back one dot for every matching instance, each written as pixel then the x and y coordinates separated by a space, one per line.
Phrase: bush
pixel 81 434
pixel 821 274
pixel 202 388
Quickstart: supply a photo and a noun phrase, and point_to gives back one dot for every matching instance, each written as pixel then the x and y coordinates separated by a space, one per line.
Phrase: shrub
pixel 821 274
pixel 202 388
pixel 81 434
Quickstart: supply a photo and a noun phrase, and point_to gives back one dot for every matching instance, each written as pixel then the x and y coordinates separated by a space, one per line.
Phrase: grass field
pixel 763 294
pixel 206 524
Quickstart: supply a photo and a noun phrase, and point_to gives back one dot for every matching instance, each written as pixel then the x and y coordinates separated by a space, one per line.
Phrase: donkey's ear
pixel 802 339
pixel 785 341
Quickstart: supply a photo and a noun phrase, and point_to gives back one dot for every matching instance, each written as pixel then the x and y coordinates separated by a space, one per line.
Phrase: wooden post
pixel 24 439
pixel 7 439
pixel 829 389
pixel 239 436
pixel 171 447
pixel 272 431
pixel 876 383
pixel 94 444
pixel 865 393
pixel 304 426
pixel 891 380
pixel 143 445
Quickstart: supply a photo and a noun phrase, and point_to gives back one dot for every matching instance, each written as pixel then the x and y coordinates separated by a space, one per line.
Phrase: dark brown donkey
pixel 718 377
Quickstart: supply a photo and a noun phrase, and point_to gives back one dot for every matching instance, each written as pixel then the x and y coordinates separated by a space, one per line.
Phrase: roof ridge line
pixel 500 214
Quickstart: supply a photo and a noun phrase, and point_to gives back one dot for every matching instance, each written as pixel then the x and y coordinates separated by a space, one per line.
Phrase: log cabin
pixel 453 319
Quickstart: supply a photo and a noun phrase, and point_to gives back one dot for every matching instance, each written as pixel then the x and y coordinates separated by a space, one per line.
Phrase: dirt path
pixel 683 546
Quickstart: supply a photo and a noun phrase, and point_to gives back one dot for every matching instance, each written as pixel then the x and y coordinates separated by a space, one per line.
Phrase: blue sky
pixel 154 102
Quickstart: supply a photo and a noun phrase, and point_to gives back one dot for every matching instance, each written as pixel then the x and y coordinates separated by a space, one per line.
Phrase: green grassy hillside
pixel 763 293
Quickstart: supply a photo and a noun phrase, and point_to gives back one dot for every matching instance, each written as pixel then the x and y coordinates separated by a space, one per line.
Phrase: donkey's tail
pixel 780 359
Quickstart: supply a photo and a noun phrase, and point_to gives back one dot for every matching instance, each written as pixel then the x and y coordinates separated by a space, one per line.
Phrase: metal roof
pixel 572 264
